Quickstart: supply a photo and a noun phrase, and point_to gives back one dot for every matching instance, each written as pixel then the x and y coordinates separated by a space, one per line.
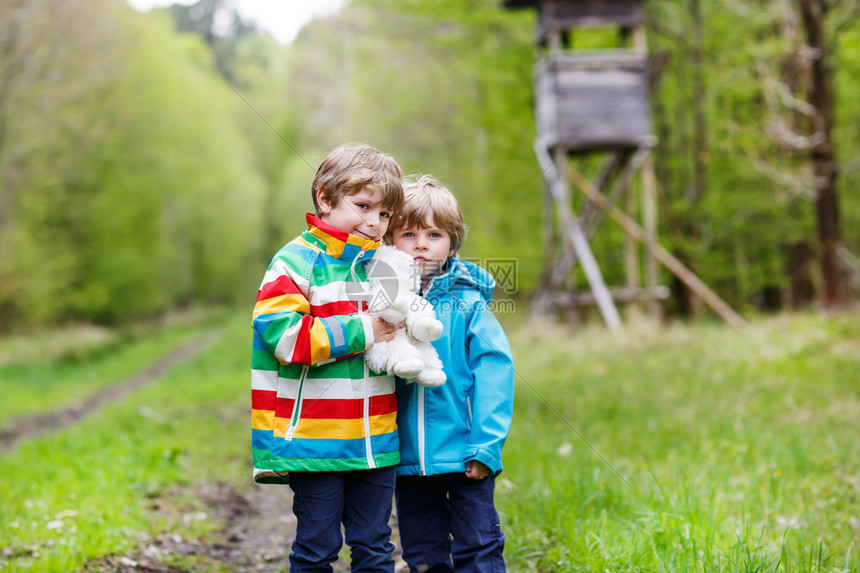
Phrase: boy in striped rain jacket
pixel 321 421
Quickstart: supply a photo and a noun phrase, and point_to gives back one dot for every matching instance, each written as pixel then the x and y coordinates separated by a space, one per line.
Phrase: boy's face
pixel 361 214
pixel 429 245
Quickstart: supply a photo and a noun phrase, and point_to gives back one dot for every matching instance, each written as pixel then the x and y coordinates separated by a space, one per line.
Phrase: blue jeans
pixel 361 500
pixel 448 523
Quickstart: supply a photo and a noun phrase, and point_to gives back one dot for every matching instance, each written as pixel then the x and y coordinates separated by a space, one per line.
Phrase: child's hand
pixel 476 470
pixel 384 331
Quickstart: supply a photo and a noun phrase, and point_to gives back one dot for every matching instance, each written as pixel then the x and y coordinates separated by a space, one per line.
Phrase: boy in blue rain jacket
pixel 451 437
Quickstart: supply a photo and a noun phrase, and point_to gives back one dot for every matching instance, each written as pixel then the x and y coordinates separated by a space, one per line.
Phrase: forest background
pixel 152 161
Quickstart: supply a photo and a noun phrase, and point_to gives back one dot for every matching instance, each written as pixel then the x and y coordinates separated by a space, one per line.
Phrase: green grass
pixel 733 452
pixel 722 451
pixel 39 373
pixel 91 489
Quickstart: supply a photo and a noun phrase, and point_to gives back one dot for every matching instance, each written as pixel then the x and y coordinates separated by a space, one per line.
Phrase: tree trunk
pixel 10 66
pixel 800 265
pixel 700 138
pixel 823 155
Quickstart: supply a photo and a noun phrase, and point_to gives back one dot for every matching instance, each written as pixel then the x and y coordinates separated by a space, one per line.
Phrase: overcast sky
pixel 281 18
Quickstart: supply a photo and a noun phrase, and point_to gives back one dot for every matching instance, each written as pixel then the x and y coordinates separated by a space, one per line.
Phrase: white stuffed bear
pixel 394 282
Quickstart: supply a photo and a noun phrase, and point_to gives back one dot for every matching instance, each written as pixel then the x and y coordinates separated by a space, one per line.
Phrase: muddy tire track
pixel 257 525
pixel 32 425
pixel 258 528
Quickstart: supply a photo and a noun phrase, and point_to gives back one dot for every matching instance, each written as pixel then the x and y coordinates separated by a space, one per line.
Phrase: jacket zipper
pixel 368 446
pixel 422 469
pixel 469 412
pixel 370 463
pixel 297 408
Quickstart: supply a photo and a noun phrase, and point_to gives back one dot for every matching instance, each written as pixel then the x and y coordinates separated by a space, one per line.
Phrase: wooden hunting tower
pixel 592 102
pixel 596 103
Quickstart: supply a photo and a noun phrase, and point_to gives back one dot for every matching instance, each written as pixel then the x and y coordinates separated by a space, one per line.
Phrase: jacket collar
pixel 337 243
pixel 462 274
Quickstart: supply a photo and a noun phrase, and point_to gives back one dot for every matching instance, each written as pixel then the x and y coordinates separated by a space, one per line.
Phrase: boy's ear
pixel 324 205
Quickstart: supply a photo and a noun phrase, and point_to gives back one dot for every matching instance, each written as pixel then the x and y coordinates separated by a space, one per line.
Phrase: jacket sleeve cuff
pixel 368 330
pixel 485 457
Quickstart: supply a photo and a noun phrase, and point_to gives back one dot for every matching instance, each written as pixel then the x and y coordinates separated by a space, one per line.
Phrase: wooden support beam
pixel 559 258
pixel 555 43
pixel 613 162
pixel 541 305
pixel 595 278
pixel 591 217
pixel 631 247
pixel 662 255
pixel 552 166
pixel 649 219
pixel 640 43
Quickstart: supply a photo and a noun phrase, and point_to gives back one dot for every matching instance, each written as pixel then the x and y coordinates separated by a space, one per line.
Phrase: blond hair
pixel 427 199
pixel 350 168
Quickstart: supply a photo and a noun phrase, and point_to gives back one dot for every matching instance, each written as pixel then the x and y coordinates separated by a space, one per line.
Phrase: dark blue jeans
pixel 361 500
pixel 448 522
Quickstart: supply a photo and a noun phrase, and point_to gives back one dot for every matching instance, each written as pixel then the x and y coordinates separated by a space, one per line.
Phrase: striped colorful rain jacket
pixel 316 407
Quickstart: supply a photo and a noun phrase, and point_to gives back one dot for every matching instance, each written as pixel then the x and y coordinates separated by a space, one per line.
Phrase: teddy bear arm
pixel 422 323
pixel 429 355
pixel 406 360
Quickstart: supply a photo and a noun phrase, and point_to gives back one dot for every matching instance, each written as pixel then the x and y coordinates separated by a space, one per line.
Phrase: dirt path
pixel 30 426
pixel 257 524
pixel 258 530
pixel 261 528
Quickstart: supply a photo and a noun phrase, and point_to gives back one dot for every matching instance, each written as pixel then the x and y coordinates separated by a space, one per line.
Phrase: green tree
pixel 445 87
pixel 131 185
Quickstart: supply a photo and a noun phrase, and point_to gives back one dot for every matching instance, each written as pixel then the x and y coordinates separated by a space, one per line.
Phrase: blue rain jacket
pixel 467 418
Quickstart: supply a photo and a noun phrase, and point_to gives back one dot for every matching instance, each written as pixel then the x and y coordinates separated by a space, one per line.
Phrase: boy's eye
pixel 408 235
pixel 385 215
pixel 362 205
pixel 435 235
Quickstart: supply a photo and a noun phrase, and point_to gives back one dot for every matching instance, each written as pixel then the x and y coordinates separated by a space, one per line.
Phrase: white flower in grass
pixel 788 522
pixel 199 516
pixel 565 449
pixel 504 486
